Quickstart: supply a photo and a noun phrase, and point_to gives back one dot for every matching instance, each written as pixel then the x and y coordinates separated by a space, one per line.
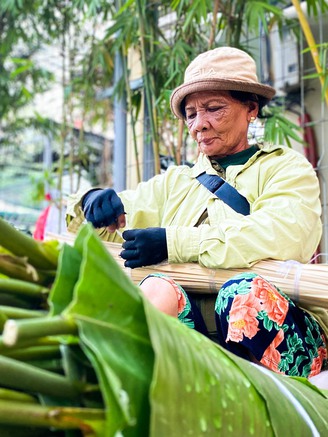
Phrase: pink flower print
pixel 181 299
pixel 271 357
pixel 180 296
pixel 242 320
pixel 272 301
pixel 318 361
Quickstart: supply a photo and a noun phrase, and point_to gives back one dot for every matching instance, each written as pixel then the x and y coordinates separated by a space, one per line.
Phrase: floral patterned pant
pixel 256 319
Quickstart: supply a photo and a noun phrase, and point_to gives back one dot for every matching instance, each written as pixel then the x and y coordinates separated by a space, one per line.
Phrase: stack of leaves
pixel 111 365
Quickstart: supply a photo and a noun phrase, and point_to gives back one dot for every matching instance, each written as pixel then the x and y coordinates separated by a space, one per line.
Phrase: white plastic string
pixel 119 233
pixel 285 269
pixel 212 282
pixel 325 254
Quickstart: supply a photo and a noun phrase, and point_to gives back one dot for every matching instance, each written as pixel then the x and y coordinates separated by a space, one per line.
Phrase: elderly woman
pixel 237 205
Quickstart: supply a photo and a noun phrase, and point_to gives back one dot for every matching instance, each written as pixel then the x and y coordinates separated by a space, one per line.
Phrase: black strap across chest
pixel 226 192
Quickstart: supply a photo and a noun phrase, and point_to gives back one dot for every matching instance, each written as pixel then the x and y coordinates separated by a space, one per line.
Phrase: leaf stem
pixel 25 377
pixel 19 268
pixel 25 329
pixel 21 313
pixel 34 353
pixel 17 396
pixel 17 413
pixel 23 288
pixel 21 244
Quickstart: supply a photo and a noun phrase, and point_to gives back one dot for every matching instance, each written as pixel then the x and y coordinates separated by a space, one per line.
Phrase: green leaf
pixel 67 274
pixel 204 386
pixel 219 393
pixel 195 387
pixel 108 308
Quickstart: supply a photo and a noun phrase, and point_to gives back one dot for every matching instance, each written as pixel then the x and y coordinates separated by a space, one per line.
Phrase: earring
pixel 252 119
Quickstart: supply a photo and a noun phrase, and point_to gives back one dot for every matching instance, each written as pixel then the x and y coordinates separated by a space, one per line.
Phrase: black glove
pixel 143 247
pixel 102 207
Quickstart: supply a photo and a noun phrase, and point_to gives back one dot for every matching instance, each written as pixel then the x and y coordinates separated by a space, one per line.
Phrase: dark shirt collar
pixel 239 158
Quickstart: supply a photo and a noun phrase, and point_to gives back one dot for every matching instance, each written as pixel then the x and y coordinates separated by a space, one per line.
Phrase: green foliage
pixel 278 129
pixel 39 183
pixel 20 78
pixel 323 62
pixel 134 24
pixel 264 13
pixel 316 7
pixel 167 54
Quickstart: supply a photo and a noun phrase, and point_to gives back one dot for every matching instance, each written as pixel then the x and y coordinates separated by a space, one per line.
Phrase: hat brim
pixel 214 84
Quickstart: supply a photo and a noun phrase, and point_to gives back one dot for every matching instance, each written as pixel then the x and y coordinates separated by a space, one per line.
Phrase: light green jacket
pixel 280 185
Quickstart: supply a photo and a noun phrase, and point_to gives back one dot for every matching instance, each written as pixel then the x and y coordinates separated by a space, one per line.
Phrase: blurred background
pixel 85 87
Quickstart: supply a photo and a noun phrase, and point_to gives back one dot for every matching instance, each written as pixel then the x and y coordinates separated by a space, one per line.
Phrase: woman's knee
pixel 161 294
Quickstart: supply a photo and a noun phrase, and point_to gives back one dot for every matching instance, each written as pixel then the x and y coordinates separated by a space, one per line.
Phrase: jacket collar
pixel 203 163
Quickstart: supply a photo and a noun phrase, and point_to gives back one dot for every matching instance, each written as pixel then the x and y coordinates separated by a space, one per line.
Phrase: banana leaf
pixel 160 378
pixel 108 310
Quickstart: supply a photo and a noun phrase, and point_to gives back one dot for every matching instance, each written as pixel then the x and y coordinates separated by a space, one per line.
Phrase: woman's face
pixel 218 122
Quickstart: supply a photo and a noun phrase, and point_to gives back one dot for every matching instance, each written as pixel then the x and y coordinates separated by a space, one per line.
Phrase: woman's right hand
pixel 103 208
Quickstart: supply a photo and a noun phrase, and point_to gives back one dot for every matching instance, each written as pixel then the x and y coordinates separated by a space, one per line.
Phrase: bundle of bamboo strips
pixel 304 283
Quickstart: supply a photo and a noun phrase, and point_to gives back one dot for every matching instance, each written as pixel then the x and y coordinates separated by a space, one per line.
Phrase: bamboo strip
pixel 304 283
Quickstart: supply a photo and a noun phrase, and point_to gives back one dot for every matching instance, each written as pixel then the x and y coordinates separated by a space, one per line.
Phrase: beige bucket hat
pixel 223 68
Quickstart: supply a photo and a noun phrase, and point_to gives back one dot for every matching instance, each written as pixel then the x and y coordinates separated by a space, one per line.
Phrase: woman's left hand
pixel 143 247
